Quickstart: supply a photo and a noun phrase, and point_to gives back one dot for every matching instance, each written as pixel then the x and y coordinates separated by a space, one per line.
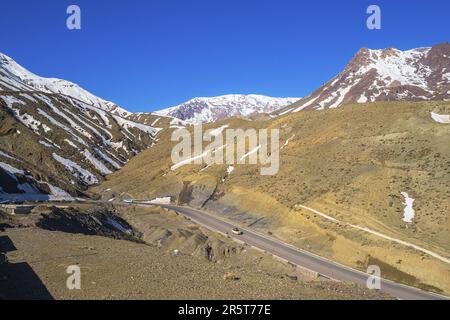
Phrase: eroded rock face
pixel 100 223
pixel 197 193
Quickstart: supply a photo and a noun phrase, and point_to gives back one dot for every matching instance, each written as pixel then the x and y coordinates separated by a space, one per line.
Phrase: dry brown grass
pixel 351 163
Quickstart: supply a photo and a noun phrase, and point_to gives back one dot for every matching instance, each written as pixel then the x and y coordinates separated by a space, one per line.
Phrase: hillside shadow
pixel 18 281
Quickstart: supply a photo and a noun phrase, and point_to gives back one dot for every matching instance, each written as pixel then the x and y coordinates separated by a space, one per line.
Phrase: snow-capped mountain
pixel 16 77
pixel 205 110
pixel 385 75
pixel 56 138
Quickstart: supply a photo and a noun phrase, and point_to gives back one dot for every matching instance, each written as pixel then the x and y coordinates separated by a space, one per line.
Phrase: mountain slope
pixel 352 163
pixel 57 137
pixel 385 75
pixel 205 110
pixel 15 77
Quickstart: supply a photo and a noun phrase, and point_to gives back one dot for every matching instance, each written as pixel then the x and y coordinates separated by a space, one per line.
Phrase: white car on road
pixel 237 231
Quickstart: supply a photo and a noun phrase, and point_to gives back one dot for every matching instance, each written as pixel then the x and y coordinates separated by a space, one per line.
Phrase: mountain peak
pixel 210 109
pixel 386 75
pixel 15 77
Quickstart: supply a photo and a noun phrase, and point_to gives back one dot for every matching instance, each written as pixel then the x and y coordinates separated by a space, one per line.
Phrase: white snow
pixel 398 67
pixel 90 127
pixel 307 104
pixel 52 143
pixel 341 93
pixel 165 200
pixel 385 69
pixel 60 113
pixel 10 169
pixel 62 126
pixel 287 142
pixel 25 118
pixel 96 163
pixel 209 109
pixel 218 131
pixel 26 80
pixel 191 160
pixel 188 161
pixel 108 159
pixel 58 193
pixel 27 96
pixel 70 143
pixel 362 99
pixel 155 122
pixel 285 111
pixel 77 170
pixel 440 118
pixel 119 145
pixel 446 76
pixel 127 124
pixel 230 169
pixel 409 213
pixel 46 144
pixel 7 155
pixel 250 153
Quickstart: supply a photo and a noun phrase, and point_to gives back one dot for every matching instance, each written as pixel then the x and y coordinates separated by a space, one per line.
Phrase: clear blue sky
pixel 150 54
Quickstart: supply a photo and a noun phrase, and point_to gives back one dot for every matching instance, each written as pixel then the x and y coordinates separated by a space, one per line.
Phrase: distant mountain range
pixel 205 110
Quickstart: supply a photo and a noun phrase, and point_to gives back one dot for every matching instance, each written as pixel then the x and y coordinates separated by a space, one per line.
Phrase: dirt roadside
pixel 159 255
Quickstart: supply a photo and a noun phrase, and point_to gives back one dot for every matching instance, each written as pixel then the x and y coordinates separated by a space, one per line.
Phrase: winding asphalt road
pixel 299 257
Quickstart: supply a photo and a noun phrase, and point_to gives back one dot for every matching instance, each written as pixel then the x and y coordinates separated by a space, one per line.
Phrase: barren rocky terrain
pixel 164 257
pixel 353 164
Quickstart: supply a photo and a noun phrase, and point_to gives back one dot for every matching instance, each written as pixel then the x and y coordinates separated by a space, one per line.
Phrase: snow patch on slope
pixel 77 170
pixel 409 213
pixel 440 118
pixel 96 163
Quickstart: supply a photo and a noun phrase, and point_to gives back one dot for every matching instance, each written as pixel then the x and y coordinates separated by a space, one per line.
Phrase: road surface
pixel 300 257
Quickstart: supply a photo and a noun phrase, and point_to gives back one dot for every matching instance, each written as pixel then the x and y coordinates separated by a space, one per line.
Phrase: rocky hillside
pixel 357 166
pixel 421 74
pixel 16 77
pixel 206 110
pixel 57 139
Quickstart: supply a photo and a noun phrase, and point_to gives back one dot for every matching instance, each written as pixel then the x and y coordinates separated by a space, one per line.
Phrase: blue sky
pixel 151 54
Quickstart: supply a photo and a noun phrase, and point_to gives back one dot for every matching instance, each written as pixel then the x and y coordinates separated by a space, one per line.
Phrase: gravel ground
pixel 121 269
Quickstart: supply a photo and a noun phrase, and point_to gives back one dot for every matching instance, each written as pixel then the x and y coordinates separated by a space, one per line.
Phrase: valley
pixel 315 172
pixel 363 179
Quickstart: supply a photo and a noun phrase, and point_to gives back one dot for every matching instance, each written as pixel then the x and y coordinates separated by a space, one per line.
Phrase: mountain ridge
pixel 56 138
pixel 21 78
pixel 210 109
pixel 420 74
